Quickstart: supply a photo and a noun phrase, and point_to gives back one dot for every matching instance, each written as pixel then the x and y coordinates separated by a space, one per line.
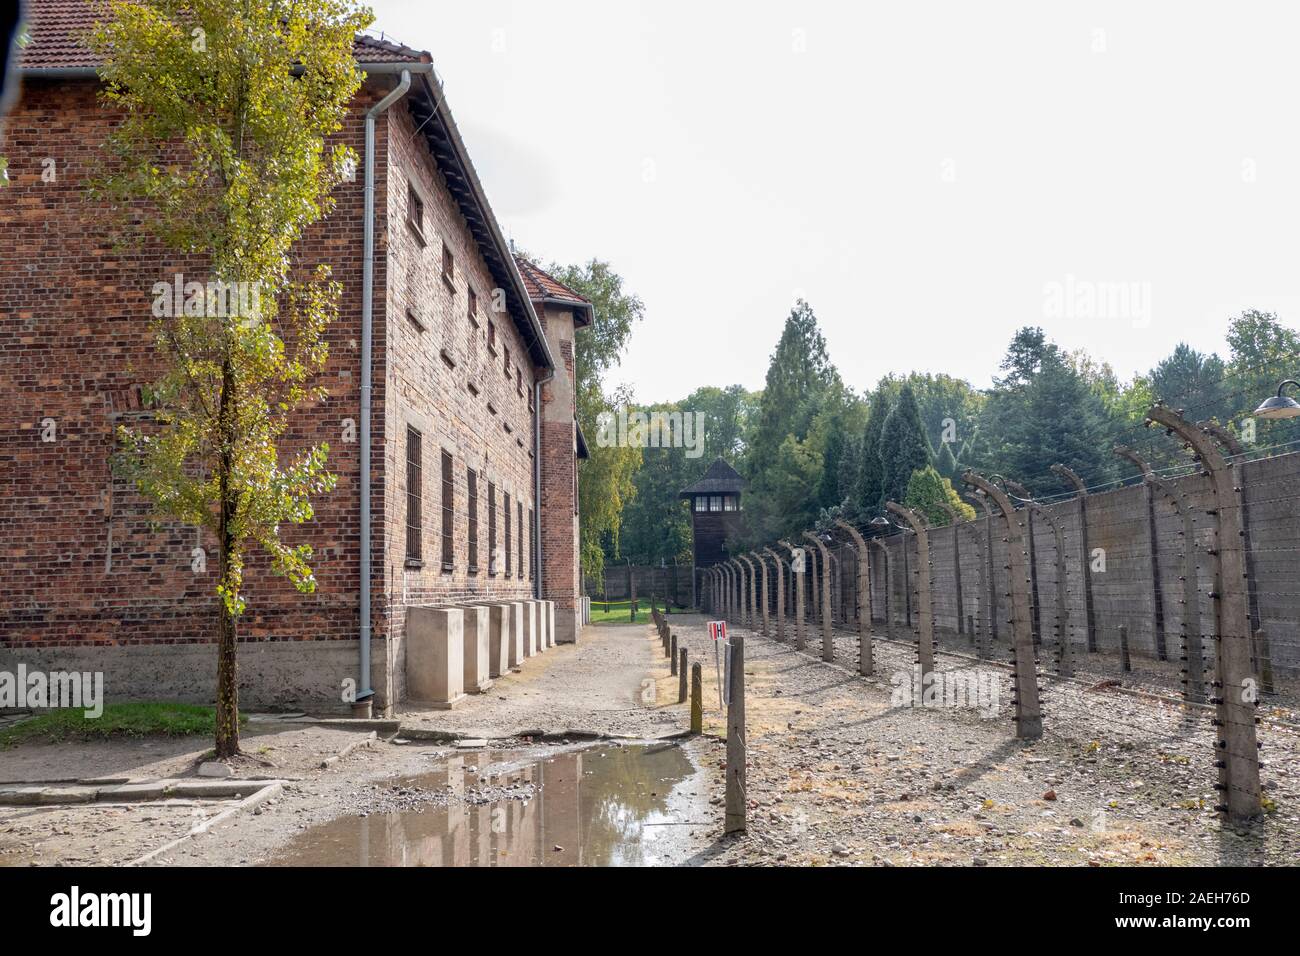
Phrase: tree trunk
pixel 227 742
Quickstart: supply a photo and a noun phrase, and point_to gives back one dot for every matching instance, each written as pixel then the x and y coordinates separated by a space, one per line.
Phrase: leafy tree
pixel 927 491
pixel 605 480
pixel 221 154
pixel 1263 353
pixel 903 448
pixel 800 378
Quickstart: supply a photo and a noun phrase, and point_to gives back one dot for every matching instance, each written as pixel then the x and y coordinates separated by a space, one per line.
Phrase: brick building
pixel 467 345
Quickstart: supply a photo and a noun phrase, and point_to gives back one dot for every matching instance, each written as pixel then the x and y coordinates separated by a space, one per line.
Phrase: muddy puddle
pixel 629 805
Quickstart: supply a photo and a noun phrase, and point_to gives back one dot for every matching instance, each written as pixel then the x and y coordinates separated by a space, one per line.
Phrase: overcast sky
pixel 929 176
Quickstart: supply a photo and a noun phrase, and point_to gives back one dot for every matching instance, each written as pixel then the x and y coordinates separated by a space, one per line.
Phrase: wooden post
pixel 672 657
pixel 681 677
pixel 697 699
pixel 735 803
pixel 1235 697
pixel 1124 662
pixel 828 640
pixel 925 606
pixel 1028 716
pixel 866 664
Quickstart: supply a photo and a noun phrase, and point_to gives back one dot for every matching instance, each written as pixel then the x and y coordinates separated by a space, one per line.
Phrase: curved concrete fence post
pixel 978 630
pixel 886 584
pixel 435 647
pixel 762 568
pixel 1235 701
pixel 1085 553
pixel 828 639
pixel 1190 634
pixel 1029 717
pixel 798 559
pixel 1064 646
pixel 925 602
pixel 954 519
pixel 780 592
pixel 866 663
pixel 746 590
pixel 1153 549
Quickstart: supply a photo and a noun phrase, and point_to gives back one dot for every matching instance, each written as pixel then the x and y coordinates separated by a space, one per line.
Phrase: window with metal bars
pixel 492 528
pixel 414 493
pixel 471 516
pixel 448 512
pixel 519 514
pixel 532 540
pixel 507 514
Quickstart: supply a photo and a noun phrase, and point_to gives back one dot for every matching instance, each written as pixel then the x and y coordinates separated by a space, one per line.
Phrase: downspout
pixel 537 482
pixel 365 692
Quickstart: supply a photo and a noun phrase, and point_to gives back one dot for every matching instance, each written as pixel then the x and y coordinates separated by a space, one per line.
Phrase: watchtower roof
pixel 720 479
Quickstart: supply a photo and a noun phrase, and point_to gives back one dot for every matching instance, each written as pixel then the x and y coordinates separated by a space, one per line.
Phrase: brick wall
pixel 86 565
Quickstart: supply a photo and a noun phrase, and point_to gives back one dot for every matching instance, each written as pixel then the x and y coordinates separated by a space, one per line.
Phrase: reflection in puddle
pixel 600 806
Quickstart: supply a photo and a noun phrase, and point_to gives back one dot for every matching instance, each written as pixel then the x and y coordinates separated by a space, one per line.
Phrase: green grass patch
pixel 150 718
pixel 620 612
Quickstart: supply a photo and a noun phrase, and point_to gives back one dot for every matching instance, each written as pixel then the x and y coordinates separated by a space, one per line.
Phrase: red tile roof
pixel 58 26
pixel 544 286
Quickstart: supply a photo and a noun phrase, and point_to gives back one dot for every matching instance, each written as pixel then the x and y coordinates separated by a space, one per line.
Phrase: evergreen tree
pixel 928 491
pixel 871 479
pixel 903 448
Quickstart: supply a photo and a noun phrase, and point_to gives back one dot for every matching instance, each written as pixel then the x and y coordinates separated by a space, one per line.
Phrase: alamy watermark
pixel 212 299
pixel 634 429
pixel 958 689
pixel 1084 299
pixel 40 690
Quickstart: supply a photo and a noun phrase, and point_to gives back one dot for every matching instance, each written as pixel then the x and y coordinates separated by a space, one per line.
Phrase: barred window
pixel 492 528
pixel 519 514
pixel 507 514
pixel 414 493
pixel 471 491
pixel 448 512
pixel 532 540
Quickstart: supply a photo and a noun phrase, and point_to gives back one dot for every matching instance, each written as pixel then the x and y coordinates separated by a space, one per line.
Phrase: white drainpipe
pixel 364 690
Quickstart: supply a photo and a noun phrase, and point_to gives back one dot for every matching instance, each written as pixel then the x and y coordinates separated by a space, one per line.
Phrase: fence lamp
pixel 1279 405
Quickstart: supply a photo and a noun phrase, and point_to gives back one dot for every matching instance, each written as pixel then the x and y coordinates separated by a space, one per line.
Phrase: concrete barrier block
pixel 550 623
pixel 500 627
pixel 516 646
pixel 532 645
pixel 435 655
pixel 477 648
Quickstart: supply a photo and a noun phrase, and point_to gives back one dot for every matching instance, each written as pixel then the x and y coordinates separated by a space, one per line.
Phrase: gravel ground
pixel 600 685
pixel 838 775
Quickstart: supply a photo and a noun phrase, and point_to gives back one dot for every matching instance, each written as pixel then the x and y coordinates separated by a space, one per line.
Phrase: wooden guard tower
pixel 716 514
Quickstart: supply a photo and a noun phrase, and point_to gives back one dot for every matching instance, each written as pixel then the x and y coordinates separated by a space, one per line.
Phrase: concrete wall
pixel 1124 593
